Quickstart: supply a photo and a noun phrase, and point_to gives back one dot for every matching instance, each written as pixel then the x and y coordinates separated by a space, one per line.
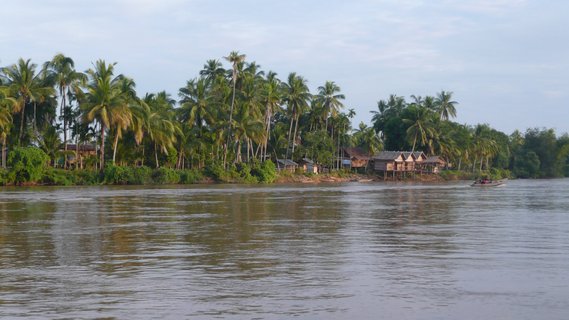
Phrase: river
pixel 337 251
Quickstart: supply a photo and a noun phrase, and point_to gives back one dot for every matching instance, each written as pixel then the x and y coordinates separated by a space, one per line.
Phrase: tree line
pixel 238 113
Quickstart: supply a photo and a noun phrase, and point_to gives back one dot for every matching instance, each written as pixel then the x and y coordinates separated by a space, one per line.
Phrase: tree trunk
pixel 64 127
pixel 294 136
pixel 115 146
pixel 102 151
pixel 289 135
pixel 22 124
pixel 4 152
pixel 156 155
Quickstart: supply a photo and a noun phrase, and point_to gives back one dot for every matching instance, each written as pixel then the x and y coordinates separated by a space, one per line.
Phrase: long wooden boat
pixel 488 183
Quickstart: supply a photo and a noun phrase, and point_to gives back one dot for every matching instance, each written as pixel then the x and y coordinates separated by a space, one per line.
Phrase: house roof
pixel 434 160
pixel 286 162
pixel 388 155
pixel 306 161
pixel 418 154
pixel 357 153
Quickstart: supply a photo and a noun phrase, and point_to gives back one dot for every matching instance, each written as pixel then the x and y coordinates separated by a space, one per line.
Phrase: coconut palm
pixel 50 142
pixel 195 104
pixel 296 96
pixel 6 105
pixel 211 70
pixel 121 114
pixel 420 125
pixel 67 81
pixel 26 86
pixel 445 105
pixel 330 99
pixel 271 97
pixel 104 96
pixel 236 59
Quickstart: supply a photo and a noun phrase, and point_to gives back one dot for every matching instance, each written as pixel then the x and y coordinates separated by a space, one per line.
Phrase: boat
pixel 483 183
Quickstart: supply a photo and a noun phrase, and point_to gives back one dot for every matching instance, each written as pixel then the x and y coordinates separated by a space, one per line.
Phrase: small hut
pixel 286 165
pixel 434 164
pixel 308 166
pixel 357 157
pixel 389 162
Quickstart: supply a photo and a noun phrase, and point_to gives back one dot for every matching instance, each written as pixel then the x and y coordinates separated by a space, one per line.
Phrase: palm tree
pixel 211 70
pixel 50 142
pixel 67 81
pixel 445 105
pixel 195 106
pixel 296 97
pixel 236 59
pixel 6 105
pixel 26 86
pixel 272 99
pixel 121 114
pixel 104 94
pixel 162 132
pixel 329 98
pixel 420 125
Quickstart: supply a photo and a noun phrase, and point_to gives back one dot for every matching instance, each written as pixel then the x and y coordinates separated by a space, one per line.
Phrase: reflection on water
pixel 362 251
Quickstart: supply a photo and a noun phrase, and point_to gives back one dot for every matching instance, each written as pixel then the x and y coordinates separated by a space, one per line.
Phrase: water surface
pixel 339 251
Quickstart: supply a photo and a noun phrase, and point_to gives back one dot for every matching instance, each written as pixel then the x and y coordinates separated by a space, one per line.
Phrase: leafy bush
pixel 266 172
pixel 3 177
pixel 87 177
pixel 118 175
pixel 27 164
pixel 165 176
pixel 218 173
pixel 458 175
pixel 190 176
pixel 245 175
pixel 58 177
pixel 141 175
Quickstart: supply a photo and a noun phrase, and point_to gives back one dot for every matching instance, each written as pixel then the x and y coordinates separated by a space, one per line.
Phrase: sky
pixel 506 61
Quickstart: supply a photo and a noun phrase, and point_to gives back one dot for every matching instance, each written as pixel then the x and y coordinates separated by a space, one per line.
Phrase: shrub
pixel 117 174
pixel 266 172
pixel 3 177
pixel 141 175
pixel 218 173
pixel 190 176
pixel 87 177
pixel 165 176
pixel 27 164
pixel 58 177
pixel 244 171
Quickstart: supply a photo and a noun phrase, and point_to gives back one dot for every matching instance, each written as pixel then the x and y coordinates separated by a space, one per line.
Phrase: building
pixel 355 157
pixel 308 166
pixel 400 163
pixel 287 165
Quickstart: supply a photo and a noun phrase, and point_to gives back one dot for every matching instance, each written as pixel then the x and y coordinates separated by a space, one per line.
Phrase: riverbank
pixel 255 173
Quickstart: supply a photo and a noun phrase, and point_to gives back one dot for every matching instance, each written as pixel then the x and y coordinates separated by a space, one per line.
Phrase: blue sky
pixel 507 61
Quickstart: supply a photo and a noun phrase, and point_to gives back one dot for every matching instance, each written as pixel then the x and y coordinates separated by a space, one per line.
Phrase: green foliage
pixel 141 175
pixel 58 177
pixel 266 172
pixel 216 171
pixel 450 175
pixel 165 176
pixel 3 177
pixel 318 146
pixel 244 171
pixel 497 174
pixel 27 165
pixel 190 176
pixel 118 174
pixel 87 177
pixel 527 165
